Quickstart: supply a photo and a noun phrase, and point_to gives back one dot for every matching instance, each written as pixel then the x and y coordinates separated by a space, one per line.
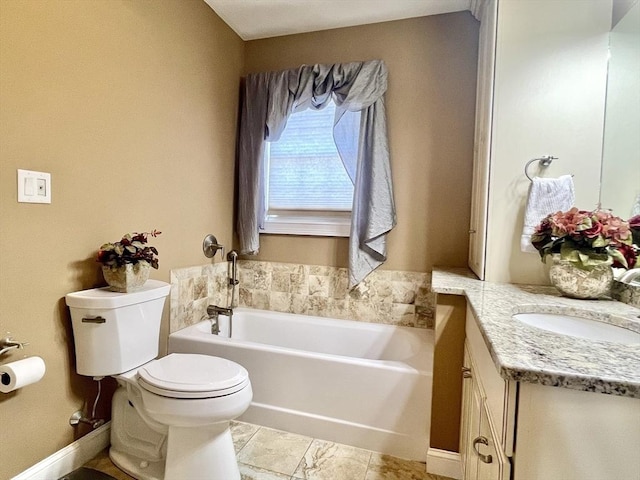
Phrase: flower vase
pixel 576 282
pixel 126 278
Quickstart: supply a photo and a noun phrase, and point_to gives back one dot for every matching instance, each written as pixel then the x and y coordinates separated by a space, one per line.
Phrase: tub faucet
pixel 214 311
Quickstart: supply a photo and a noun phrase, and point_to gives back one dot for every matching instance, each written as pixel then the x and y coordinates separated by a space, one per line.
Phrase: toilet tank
pixel 115 332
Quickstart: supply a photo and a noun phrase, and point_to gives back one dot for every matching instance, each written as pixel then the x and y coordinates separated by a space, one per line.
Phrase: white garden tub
pixel 357 383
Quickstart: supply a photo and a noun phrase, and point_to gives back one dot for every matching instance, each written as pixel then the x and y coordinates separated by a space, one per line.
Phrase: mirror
pixel 620 176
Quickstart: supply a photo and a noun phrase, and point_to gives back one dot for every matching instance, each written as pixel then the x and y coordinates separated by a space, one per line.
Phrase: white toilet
pixel 170 416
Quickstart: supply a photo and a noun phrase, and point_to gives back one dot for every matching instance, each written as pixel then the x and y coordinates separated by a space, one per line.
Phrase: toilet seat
pixel 192 376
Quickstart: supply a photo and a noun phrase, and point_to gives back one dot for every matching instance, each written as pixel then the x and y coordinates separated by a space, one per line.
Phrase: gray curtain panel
pixel 360 133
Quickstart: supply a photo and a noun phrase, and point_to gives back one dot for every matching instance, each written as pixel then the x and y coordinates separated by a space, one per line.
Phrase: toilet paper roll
pixel 21 373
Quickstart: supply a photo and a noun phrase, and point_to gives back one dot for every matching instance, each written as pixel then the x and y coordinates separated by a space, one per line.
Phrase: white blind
pixel 304 169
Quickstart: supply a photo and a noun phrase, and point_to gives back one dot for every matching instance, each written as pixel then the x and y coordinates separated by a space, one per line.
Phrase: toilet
pixel 170 416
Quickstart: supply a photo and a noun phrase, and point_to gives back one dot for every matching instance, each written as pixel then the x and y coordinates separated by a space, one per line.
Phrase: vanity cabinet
pixel 528 431
pixel 488 407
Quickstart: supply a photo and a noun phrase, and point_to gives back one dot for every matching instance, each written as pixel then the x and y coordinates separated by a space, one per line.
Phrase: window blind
pixel 304 169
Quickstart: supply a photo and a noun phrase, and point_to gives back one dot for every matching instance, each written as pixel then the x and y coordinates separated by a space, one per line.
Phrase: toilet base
pixel 137 467
pixel 191 451
pixel 136 448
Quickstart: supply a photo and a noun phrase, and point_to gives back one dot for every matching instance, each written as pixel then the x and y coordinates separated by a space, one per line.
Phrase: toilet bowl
pixel 170 416
pixel 188 401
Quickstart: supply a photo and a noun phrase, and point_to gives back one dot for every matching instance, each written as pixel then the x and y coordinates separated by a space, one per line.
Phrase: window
pixel 307 189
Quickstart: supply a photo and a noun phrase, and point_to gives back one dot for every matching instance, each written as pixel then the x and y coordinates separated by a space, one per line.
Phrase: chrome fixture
pixel 77 417
pixel 631 277
pixel 213 312
pixel 543 161
pixel 210 246
pixel 232 257
pixel 7 344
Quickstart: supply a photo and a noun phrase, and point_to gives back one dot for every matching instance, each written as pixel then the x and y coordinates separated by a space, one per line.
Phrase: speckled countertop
pixel 527 354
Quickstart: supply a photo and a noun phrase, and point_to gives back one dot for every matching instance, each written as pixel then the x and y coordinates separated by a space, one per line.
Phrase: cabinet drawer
pixel 499 393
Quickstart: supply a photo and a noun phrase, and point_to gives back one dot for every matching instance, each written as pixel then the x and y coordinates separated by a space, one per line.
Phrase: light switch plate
pixel 34 187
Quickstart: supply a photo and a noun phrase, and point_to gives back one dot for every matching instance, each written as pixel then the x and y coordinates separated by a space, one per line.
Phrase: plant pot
pixel 127 278
pixel 575 282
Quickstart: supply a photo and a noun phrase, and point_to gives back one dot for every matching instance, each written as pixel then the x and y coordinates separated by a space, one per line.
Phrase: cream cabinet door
pixel 492 463
pixel 481 452
pixel 488 12
pixel 469 420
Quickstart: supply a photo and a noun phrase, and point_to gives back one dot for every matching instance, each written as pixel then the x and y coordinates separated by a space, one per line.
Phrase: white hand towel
pixel 546 195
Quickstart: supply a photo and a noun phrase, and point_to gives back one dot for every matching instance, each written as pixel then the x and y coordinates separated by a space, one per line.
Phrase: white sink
pixel 579 327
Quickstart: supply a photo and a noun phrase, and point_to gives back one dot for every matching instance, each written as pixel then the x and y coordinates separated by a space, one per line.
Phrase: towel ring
pixel 544 161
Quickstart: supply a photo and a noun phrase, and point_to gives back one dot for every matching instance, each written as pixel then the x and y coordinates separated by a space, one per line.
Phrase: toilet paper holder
pixel 7 344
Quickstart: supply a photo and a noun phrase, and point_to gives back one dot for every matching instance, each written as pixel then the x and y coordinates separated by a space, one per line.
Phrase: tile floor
pixel 267 454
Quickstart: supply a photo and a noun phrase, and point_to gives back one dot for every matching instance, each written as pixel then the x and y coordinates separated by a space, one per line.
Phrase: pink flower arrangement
pixel 588 239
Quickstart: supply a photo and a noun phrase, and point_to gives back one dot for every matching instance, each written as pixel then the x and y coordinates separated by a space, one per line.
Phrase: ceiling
pixel 254 19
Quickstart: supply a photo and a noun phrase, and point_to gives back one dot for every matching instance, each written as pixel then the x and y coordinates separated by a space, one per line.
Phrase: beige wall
pixel 131 106
pixel 430 114
pixel 446 401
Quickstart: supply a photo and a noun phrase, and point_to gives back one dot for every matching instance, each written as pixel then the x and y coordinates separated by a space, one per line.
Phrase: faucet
pixel 214 311
pixel 630 276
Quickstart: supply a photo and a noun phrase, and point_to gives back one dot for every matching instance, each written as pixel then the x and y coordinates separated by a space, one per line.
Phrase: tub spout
pixel 214 311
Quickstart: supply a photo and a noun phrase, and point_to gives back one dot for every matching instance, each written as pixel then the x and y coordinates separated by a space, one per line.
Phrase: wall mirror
pixel 620 175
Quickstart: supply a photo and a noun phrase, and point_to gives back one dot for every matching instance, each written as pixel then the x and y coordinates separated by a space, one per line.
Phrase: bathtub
pixel 361 384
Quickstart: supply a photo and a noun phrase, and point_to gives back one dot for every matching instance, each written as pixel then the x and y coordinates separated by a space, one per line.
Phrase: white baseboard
pixel 444 462
pixel 70 457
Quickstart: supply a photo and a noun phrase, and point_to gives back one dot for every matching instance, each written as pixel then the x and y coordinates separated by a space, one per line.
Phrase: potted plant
pixel 584 246
pixel 126 263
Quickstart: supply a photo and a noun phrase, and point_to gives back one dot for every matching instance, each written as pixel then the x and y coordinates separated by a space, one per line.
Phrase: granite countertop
pixel 527 354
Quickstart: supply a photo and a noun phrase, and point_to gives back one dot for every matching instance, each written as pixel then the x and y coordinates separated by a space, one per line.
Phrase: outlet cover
pixel 34 187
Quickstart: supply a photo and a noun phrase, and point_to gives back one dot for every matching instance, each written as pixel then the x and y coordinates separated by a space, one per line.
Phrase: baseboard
pixel 70 457
pixel 444 462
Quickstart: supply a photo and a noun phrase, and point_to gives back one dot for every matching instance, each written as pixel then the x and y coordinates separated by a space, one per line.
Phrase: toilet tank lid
pixel 105 298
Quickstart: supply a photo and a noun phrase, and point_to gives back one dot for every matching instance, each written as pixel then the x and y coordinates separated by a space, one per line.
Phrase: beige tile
pixel 281 282
pixel 280 302
pixel 260 300
pixel 103 463
pixel 200 287
pixel 403 292
pixel 385 467
pixel 241 433
pixel 186 291
pixel 331 461
pixel 299 282
pixel 318 285
pixel 274 450
pixel 248 472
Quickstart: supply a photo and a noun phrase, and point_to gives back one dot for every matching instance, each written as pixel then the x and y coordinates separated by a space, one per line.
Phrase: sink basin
pixel 579 327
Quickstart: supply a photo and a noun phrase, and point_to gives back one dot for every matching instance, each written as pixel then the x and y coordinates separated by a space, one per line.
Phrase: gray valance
pixel 357 89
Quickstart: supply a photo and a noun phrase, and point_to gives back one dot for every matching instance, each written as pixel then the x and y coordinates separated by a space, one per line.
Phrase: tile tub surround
pixel 390 297
pixel 527 354
pixel 193 289
pixel 267 454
